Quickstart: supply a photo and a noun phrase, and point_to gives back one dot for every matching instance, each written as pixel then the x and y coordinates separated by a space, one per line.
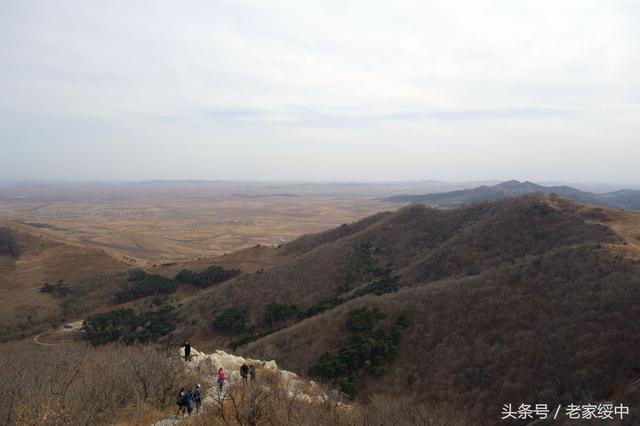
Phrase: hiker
pixel 221 378
pixel 244 372
pixel 252 372
pixel 180 401
pixel 197 397
pixel 188 402
pixel 187 350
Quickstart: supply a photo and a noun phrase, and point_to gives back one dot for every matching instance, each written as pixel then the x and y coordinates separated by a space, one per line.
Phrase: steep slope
pixel 522 299
pixel 625 199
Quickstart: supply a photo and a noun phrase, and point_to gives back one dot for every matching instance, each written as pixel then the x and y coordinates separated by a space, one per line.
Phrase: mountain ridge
pixel 627 199
pixel 523 270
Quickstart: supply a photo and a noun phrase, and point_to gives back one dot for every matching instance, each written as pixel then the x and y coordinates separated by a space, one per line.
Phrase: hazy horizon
pixel 452 91
pixel 598 187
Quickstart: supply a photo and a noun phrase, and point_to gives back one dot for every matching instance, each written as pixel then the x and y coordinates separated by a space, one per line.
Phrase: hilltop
pixel 497 297
pixel 624 199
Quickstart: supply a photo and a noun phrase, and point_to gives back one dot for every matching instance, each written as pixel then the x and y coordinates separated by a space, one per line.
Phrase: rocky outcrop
pixel 205 366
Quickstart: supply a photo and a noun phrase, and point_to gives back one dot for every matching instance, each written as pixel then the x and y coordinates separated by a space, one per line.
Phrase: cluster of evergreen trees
pixel 387 284
pixel 321 306
pixel 275 314
pixel 368 348
pixel 232 320
pixel 278 312
pixel 211 275
pixel 128 326
pixel 143 284
pixel 59 289
pixel 362 265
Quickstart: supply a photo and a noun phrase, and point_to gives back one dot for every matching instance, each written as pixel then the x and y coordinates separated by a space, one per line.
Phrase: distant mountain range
pixel 627 199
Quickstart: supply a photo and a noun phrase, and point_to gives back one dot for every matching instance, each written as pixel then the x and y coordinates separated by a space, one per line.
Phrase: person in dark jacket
pixel 197 397
pixel 180 401
pixel 252 372
pixel 187 350
pixel 188 402
pixel 244 372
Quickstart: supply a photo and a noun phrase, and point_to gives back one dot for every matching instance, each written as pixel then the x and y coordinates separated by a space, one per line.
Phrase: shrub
pixel 361 265
pixel 387 284
pixel 59 289
pixel 277 312
pixel 211 275
pixel 127 326
pixel 323 305
pixel 231 320
pixel 369 347
pixel 143 284
pixel 363 320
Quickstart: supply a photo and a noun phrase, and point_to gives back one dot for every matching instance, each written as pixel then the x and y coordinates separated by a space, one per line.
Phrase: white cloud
pixel 325 90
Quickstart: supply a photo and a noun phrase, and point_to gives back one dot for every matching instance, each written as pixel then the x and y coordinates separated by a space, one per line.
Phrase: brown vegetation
pixel 69 385
pixel 272 404
pixel 511 301
pixel 137 385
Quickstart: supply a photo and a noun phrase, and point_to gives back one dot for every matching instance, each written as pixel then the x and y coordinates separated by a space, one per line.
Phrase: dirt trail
pixel 59 336
pixel 36 340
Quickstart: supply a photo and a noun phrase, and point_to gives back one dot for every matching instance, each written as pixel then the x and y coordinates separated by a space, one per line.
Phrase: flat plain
pixel 170 222
pixel 162 222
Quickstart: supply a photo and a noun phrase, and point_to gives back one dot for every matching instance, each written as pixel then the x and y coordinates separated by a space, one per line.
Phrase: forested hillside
pixel 495 299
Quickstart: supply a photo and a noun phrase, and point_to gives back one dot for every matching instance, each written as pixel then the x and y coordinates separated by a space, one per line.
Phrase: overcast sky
pixel 320 90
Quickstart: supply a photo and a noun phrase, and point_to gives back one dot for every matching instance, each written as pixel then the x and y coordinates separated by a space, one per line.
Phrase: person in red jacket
pixel 221 378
